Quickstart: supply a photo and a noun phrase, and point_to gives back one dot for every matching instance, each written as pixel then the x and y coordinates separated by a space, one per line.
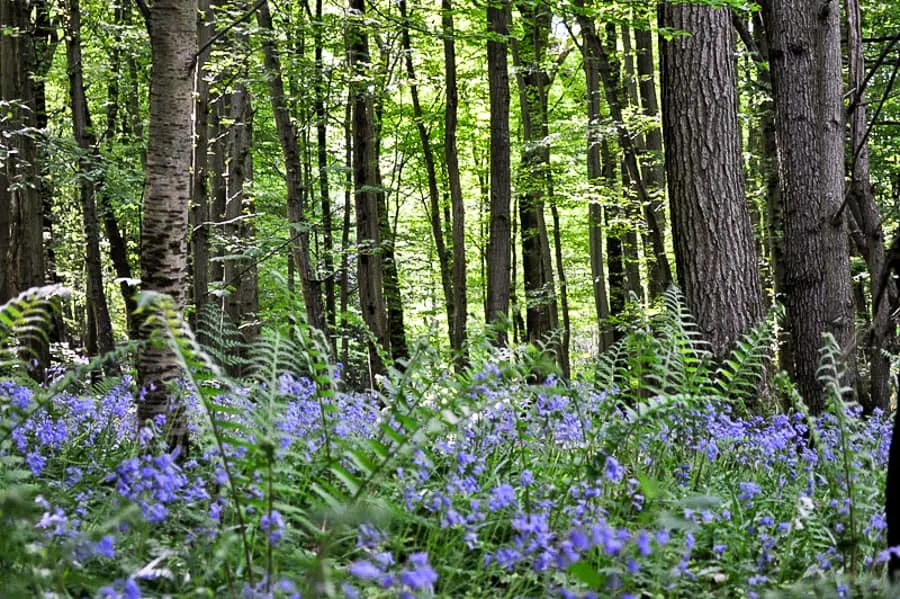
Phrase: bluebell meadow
pixel 529 491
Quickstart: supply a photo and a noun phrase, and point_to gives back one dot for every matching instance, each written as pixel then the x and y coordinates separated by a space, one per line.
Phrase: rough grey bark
pixel 805 57
pixel 541 316
pixel 460 312
pixel 8 91
pixel 99 338
pixel 861 201
pixel 498 251
pixel 714 249
pixel 21 240
pixel 365 182
pixel 173 43
pixel 23 255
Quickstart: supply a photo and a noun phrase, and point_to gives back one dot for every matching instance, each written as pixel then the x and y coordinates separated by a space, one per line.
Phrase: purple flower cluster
pixel 547 490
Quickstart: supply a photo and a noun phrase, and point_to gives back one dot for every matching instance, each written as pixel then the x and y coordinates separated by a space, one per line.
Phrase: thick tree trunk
pixel 498 252
pixel 99 334
pixel 714 249
pixel 365 181
pixel 287 135
pixel 804 46
pixel 459 283
pixel 21 239
pixel 173 43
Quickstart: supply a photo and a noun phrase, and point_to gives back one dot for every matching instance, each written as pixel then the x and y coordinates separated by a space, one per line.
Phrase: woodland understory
pixel 516 298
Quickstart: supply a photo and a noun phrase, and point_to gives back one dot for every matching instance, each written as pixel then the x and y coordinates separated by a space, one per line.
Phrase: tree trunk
pixel 345 229
pixel 498 252
pixel 540 294
pixel 199 188
pixel 804 46
pixel 287 134
pixel 861 201
pixel 615 99
pixel 652 159
pixel 714 249
pixel 365 182
pixel 615 254
pixel 99 334
pixel 173 43
pixel 434 199
pixel 322 163
pixel 21 240
pixel 236 231
pixel 633 208
pixel 595 142
pixel 459 283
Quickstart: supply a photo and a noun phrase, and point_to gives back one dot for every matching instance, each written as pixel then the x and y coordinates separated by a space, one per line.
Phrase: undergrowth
pixel 660 473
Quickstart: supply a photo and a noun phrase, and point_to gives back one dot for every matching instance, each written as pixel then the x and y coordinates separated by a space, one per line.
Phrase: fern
pixel 25 322
pixel 663 354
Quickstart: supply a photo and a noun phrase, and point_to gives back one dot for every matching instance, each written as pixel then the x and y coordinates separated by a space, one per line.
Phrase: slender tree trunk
pixel 861 201
pixel 498 252
pixel 322 163
pixel 615 99
pixel 365 181
pixel 633 208
pixel 173 44
pixel 287 134
pixel 199 188
pixel 564 360
pixel 595 142
pixel 392 296
pixel 460 312
pixel 774 203
pixel 615 254
pixel 118 246
pixel 652 159
pixel 345 228
pixel 99 334
pixel 434 199
pixel 540 292
pixel 714 249
pixel 804 46
pixel 238 175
